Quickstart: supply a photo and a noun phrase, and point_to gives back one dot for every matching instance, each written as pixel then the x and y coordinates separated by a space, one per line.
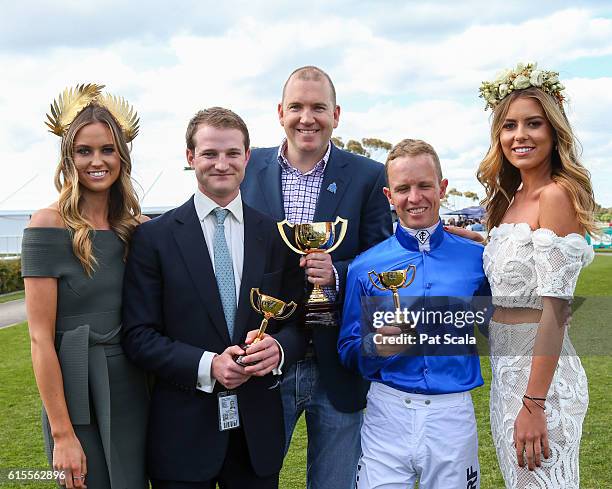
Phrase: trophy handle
pixel 373 273
pixel 257 308
pixel 291 305
pixel 408 282
pixel 281 230
pixel 343 225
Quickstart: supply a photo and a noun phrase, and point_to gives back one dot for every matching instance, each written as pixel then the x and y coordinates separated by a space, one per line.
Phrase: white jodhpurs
pixel 409 437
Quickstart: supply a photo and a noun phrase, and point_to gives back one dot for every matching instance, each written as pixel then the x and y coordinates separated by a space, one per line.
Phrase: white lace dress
pixel 523 266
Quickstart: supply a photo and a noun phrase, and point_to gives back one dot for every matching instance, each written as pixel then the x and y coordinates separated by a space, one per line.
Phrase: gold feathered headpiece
pixel 73 100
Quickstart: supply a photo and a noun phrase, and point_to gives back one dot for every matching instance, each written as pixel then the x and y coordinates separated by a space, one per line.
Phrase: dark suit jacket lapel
pixel 192 245
pixel 335 182
pixel 270 184
pixel 252 269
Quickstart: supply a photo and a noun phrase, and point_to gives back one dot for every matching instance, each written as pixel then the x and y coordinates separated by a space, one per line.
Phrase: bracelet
pixel 535 401
pixel 531 398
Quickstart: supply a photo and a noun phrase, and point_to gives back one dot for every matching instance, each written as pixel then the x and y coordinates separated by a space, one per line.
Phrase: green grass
pixel 12 296
pixel 596 447
pixel 21 436
pixel 593 309
pixel 20 428
pixel 596 279
pixel 293 475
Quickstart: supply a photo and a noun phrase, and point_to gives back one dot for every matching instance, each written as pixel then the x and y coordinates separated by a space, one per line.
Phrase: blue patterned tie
pixel 224 271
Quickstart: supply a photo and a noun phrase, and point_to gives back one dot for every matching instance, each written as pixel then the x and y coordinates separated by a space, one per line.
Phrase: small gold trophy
pixel 316 237
pixel 393 281
pixel 271 308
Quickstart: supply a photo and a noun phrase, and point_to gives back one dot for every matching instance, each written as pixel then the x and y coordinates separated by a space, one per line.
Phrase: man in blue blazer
pixel 308 179
pixel 186 308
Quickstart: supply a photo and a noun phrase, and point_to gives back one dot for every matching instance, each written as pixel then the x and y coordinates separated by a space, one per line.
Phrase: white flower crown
pixel 523 76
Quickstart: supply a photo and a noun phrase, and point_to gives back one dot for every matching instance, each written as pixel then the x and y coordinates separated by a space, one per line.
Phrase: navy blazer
pixel 352 189
pixel 172 313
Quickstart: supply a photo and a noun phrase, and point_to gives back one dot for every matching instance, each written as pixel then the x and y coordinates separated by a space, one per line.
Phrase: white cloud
pixel 459 62
pixel 421 82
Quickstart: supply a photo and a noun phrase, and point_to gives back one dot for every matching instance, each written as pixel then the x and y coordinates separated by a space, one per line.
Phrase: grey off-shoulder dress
pixel 106 395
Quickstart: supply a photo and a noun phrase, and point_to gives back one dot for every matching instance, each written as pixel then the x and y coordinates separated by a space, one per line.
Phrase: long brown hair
pixel 123 207
pixel 501 179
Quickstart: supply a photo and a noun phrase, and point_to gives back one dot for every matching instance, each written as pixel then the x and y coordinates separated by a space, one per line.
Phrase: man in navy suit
pixel 308 179
pixel 186 308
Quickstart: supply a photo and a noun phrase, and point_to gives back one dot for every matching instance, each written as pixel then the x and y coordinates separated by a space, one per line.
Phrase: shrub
pixel 10 276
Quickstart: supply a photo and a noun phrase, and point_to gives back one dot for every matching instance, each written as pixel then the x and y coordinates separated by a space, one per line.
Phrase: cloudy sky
pixel 401 69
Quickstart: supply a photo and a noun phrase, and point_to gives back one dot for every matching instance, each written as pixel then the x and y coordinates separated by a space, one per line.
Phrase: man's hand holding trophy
pixel 312 240
pixel 271 308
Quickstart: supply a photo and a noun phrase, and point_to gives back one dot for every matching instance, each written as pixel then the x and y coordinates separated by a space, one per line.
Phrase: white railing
pixel 10 245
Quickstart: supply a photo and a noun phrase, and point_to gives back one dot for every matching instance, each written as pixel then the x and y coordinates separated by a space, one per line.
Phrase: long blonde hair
pixel 123 207
pixel 501 179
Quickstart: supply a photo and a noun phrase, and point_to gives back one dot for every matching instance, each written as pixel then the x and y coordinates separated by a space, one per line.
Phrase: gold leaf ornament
pixel 73 100
pixel 125 114
pixel 67 106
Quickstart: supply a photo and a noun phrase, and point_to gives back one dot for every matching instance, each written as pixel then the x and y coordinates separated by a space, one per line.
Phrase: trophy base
pixel 238 359
pixel 321 315
pixel 317 297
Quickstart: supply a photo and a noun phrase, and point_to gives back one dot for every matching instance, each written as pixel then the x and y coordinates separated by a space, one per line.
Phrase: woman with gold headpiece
pixel 539 204
pixel 94 400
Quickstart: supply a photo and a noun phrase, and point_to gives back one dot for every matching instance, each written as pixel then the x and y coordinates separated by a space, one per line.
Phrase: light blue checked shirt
pixel 301 193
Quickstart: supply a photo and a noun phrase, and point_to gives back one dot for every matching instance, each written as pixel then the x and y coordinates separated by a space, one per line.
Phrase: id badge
pixel 228 411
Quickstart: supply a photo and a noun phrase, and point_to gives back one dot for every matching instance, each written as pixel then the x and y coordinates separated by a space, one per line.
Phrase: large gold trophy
pixel 316 237
pixel 271 308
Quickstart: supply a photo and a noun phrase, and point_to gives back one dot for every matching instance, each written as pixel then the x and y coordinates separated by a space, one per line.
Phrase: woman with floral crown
pixel 94 400
pixel 539 205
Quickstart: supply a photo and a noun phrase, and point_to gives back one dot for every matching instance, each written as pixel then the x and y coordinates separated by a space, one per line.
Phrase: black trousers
pixel 236 471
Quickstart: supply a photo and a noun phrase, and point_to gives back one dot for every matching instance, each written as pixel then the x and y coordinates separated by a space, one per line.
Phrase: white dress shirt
pixel 234 230
pixel 234 237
